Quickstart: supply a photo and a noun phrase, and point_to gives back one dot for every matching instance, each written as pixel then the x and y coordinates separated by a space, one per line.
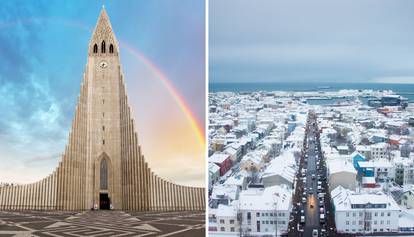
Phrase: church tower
pixel 103 71
pixel 102 165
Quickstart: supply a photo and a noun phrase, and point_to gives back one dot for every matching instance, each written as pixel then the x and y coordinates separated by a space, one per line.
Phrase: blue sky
pixel 312 41
pixel 43 55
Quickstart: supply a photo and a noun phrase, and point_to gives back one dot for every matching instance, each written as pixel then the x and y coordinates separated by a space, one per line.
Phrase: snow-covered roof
pixel 380 145
pixel 283 165
pixel 337 166
pixel 368 180
pixel 343 199
pixel 218 158
pixel 237 179
pixel 342 147
pixel 213 168
pixel 227 210
pixel 362 148
pixel 231 151
pixel 223 190
pixel 381 163
pixel 266 199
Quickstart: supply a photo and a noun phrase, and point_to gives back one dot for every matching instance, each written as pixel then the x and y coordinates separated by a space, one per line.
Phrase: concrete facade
pixel 103 161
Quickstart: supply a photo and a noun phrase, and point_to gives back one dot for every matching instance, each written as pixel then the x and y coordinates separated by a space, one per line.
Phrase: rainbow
pixel 178 98
pixel 196 126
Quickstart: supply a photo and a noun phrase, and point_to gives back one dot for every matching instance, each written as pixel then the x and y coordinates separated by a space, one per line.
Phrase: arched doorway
pixel 104 200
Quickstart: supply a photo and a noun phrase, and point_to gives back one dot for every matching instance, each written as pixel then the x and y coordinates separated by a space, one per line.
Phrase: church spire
pixel 103 38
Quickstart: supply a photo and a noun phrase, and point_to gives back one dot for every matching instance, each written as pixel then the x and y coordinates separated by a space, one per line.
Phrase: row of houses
pixel 369 168
pixel 252 193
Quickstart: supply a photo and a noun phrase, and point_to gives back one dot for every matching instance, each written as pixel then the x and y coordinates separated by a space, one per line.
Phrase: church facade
pixel 102 165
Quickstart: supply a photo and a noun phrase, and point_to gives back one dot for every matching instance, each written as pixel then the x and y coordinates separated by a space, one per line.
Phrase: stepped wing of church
pixel 102 165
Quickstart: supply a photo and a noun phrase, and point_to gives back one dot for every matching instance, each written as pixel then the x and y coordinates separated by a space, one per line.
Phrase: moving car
pixel 322 218
pixel 315 233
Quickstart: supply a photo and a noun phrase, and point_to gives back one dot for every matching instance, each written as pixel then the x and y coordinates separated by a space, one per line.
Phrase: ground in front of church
pixel 101 223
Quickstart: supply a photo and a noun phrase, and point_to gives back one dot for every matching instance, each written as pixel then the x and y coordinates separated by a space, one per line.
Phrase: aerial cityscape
pixel 300 163
pixel 310 118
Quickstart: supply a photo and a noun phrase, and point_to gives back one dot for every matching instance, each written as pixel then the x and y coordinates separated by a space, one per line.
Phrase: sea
pixel 405 90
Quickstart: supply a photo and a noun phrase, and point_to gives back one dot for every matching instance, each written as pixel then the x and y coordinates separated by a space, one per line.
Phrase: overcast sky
pixel 296 41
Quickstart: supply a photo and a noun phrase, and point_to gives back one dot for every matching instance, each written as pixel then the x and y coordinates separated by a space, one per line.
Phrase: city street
pixel 312 204
pixel 311 184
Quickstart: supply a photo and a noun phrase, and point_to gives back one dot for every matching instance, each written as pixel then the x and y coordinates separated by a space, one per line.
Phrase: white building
pixel 281 170
pixel 263 211
pixel 341 173
pixel 407 197
pixel 353 212
pixel 384 170
pixel 404 170
pixel 223 194
pixel 379 150
pixel 213 173
pixel 226 218
pixel 364 150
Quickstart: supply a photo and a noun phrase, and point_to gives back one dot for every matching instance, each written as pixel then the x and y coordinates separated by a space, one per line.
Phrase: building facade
pixel 103 165
pixel 265 211
pixel 359 213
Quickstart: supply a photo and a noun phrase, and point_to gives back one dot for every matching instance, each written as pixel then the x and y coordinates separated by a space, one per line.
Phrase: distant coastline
pixel 405 90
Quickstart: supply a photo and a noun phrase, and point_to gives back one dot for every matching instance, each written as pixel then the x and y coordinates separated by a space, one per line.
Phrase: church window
pixel 104 174
pixel 111 48
pixel 103 47
pixel 103 142
pixel 103 128
pixel 95 48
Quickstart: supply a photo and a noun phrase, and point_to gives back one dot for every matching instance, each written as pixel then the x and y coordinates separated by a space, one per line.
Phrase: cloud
pixel 32 123
pixel 186 168
pixel 42 61
pixel 301 41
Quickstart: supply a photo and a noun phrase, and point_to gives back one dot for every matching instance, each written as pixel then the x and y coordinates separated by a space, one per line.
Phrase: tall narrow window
pixel 103 128
pixel 103 142
pixel 104 174
pixel 111 48
pixel 103 47
pixel 95 48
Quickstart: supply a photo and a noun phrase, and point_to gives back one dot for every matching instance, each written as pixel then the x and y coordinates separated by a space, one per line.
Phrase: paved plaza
pixel 101 223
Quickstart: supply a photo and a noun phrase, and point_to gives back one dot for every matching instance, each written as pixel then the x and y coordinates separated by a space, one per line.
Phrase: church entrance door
pixel 104 201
